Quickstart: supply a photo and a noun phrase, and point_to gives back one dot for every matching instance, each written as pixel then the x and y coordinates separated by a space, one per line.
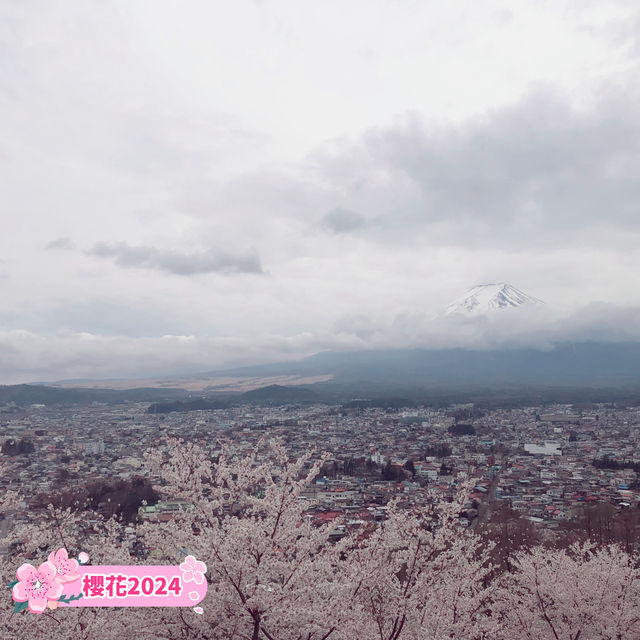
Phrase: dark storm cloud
pixel 61 243
pixel 342 221
pixel 183 264
pixel 537 172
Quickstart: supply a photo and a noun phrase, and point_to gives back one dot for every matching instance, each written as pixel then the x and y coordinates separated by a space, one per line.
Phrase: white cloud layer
pixel 65 355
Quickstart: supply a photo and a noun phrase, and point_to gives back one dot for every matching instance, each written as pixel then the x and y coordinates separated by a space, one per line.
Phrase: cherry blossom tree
pixel 272 574
pixel 421 575
pixel 35 537
pixel 275 575
pixel 579 593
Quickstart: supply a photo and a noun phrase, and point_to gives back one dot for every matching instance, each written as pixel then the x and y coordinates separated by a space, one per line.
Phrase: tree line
pixel 607 462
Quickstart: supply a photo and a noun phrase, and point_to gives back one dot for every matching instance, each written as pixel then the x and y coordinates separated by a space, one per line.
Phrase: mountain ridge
pixel 408 373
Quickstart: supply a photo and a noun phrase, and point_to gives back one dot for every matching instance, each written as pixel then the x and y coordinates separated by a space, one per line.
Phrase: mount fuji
pixel 486 298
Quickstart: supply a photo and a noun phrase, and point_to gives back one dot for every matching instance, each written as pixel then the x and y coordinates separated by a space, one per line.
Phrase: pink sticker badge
pixel 65 582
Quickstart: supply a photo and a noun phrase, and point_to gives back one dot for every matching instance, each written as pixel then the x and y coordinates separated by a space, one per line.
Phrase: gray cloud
pixel 538 172
pixel 183 264
pixel 342 221
pixel 61 243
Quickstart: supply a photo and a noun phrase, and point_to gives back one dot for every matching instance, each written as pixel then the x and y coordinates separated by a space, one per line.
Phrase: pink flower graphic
pixel 193 569
pixel 37 586
pixel 66 569
pixel 83 557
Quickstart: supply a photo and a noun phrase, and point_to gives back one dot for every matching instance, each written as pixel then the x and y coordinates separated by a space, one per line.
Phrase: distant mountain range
pixel 568 364
pixel 414 374
pixel 270 395
pixel 486 298
pixel 26 394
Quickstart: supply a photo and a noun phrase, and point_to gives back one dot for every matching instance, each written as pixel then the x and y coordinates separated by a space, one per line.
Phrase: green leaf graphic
pixel 19 606
pixel 68 599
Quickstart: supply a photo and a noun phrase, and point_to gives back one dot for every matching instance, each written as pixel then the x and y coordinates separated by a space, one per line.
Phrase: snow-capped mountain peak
pixel 485 298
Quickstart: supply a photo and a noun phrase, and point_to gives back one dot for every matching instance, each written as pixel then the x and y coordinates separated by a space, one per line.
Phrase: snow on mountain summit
pixel 484 298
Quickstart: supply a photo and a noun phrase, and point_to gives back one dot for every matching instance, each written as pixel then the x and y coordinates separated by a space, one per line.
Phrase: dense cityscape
pixel 546 464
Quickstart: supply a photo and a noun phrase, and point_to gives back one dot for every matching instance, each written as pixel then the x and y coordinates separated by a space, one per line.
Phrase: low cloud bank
pixel 29 356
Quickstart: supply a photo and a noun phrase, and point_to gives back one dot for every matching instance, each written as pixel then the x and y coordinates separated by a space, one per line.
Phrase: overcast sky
pixel 190 185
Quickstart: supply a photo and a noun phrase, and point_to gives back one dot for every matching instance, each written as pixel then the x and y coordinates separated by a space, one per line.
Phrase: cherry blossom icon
pixel 193 569
pixel 37 586
pixel 66 568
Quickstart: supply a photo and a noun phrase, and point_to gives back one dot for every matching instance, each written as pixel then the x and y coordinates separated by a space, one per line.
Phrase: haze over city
pixel 185 189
